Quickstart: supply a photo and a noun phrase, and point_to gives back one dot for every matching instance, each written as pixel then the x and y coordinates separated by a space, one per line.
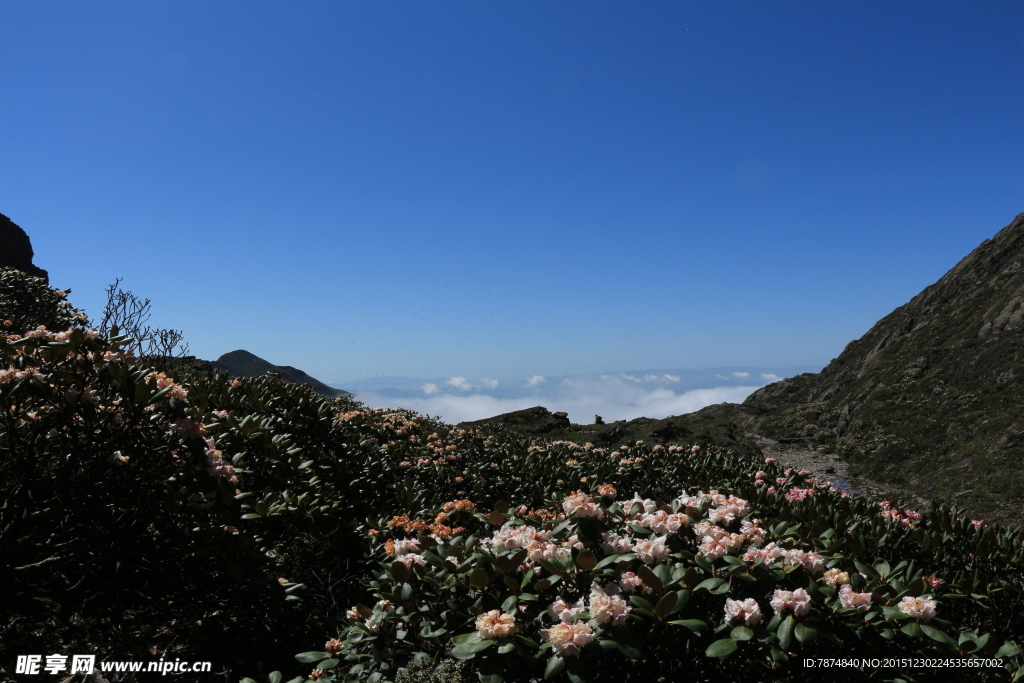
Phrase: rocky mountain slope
pixel 241 363
pixel 932 397
pixel 16 249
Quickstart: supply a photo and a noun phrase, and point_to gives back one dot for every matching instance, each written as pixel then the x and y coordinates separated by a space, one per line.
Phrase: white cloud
pixel 489 383
pixel 616 398
pixel 460 383
pixel 741 375
pixel 430 388
pixel 662 379
pixel 631 378
pixel 770 377
pixel 721 376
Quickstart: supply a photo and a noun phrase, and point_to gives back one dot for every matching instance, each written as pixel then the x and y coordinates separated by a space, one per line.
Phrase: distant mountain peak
pixel 242 363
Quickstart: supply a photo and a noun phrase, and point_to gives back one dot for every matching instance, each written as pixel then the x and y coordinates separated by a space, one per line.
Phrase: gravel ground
pixel 802 457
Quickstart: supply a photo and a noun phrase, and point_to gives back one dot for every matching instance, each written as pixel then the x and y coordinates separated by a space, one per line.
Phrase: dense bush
pixel 174 511
pixel 743 585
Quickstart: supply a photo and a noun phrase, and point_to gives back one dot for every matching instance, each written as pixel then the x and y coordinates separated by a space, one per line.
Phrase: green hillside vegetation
pixel 241 363
pixel 284 535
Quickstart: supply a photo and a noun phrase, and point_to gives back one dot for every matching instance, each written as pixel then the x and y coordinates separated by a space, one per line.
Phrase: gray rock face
pixel 16 249
pixel 928 398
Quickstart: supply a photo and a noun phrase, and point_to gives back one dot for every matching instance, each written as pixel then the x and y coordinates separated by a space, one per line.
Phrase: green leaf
pixel 310 657
pixel 785 633
pixel 650 578
pixel 506 648
pixel 709 584
pixel 694 625
pixel 936 634
pixel 805 633
pixel 721 648
pixel 469 650
pixel 913 629
pixel 665 605
pixel 586 560
pixel 640 602
pixel 478 578
pixel 399 571
pixel 555 666
pixel 628 650
pixel 741 633
pixel 328 664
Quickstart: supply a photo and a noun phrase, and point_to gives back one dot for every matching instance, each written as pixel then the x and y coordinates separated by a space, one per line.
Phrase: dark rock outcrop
pixel 16 249
pixel 536 420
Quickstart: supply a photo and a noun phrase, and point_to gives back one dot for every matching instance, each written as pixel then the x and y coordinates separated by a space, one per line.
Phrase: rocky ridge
pixel 16 249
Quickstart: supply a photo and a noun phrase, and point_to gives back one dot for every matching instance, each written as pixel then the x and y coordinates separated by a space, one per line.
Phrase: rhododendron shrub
pixel 184 513
pixel 120 515
pixel 588 585
pixel 26 302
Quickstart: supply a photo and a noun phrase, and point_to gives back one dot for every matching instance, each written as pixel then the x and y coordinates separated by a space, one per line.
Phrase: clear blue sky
pixel 510 188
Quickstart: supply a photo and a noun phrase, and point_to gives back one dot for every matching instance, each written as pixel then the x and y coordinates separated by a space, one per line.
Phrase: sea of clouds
pixel 613 396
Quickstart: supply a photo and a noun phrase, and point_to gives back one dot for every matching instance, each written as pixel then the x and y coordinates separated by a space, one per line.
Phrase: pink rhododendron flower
pixel 919 608
pixel 753 532
pixel 495 624
pixel 606 605
pixel 797 494
pixel 647 504
pixel 187 428
pixel 748 610
pixel 812 562
pixel 406 546
pixel 562 611
pixel 613 544
pixel 798 602
pixel 836 577
pixel 568 639
pixel 859 601
pixel 713 548
pixel 768 554
pixel 652 551
pixel 630 582
pixel 580 504
pixel 663 522
pixel 410 559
